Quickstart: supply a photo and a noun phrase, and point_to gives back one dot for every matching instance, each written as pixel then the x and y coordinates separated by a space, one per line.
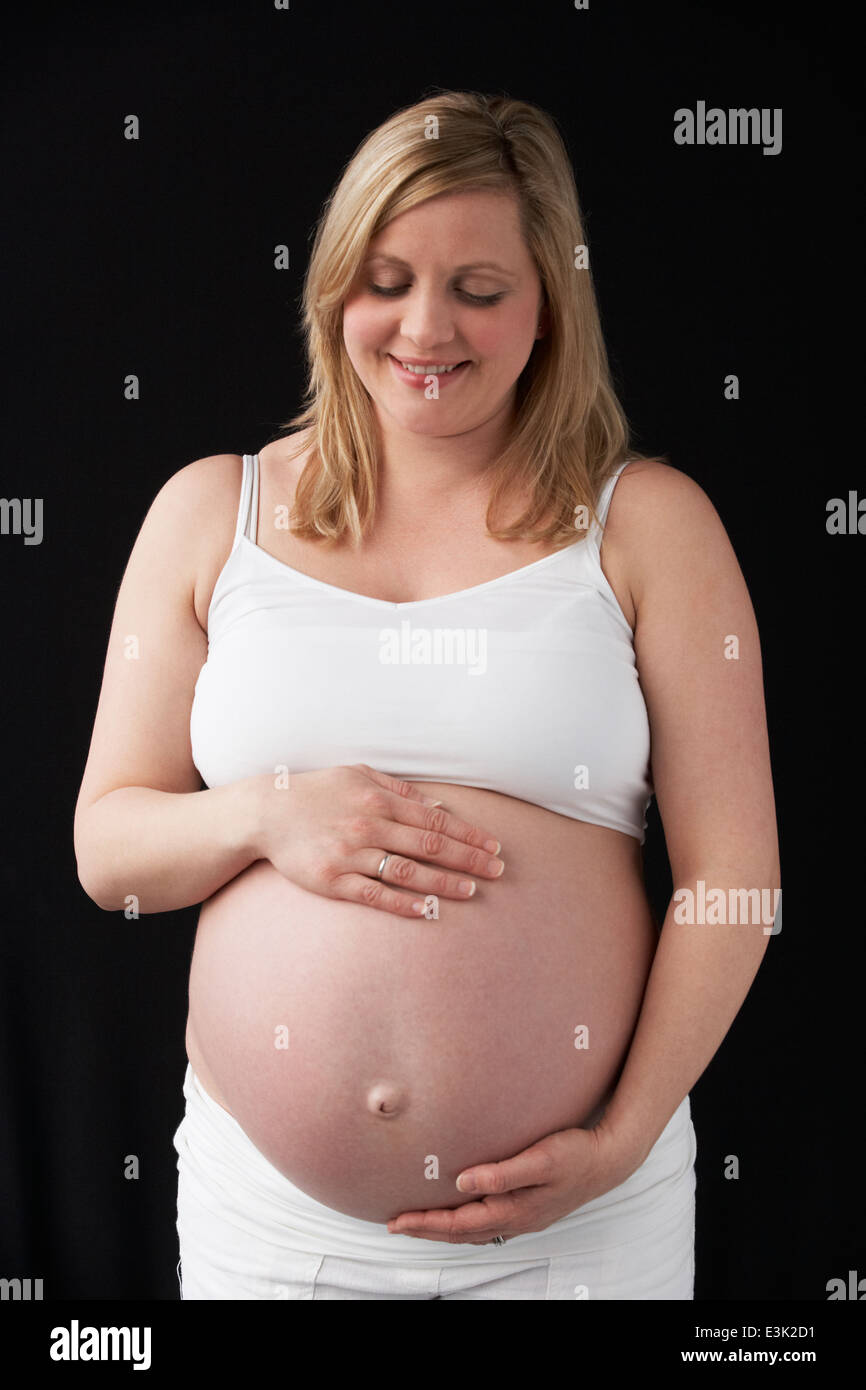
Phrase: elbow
pixel 94 888
pixel 730 866
pixel 719 895
pixel 92 880
pixel 103 889
pixel 86 864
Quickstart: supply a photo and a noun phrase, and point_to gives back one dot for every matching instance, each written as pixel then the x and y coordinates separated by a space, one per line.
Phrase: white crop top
pixel 525 685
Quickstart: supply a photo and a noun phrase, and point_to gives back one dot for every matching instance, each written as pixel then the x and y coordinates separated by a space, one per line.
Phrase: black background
pixel 155 257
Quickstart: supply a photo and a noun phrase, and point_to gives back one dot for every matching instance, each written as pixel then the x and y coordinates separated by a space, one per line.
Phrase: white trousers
pixel 246 1232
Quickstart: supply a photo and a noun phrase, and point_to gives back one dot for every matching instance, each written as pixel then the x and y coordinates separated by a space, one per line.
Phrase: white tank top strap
pixel 603 505
pixel 248 508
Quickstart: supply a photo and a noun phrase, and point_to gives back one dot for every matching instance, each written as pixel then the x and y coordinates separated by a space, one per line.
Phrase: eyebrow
pixel 460 269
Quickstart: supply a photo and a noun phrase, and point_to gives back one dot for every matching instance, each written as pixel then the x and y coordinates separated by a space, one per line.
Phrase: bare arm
pixel 167 849
pixel 712 774
pixel 143 826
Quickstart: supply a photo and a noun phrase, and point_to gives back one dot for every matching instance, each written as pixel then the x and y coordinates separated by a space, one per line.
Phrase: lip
pixel 419 379
pixel 428 361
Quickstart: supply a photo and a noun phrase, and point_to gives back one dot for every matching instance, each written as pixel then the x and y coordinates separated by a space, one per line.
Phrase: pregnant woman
pixel 437 1045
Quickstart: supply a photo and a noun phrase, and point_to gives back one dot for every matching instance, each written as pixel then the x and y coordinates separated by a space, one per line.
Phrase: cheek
pixel 364 324
pixel 505 337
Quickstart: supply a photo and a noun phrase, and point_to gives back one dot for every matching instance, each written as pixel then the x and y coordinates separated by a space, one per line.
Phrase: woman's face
pixel 424 296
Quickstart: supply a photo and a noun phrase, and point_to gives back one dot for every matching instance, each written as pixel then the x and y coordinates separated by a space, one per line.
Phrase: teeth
pixel 426 371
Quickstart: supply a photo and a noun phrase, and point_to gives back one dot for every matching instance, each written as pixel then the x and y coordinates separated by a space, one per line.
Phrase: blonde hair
pixel 569 432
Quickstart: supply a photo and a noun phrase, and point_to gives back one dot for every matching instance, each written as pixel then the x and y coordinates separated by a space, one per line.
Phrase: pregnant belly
pixel 372 1058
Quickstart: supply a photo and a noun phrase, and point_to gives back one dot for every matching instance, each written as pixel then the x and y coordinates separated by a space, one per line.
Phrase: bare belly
pixel 372 1058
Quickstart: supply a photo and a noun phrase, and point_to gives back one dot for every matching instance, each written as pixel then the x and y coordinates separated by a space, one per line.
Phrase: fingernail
pixel 419 907
pixel 466 1182
pixel 466 887
pixel 493 846
pixel 428 802
pixel 500 868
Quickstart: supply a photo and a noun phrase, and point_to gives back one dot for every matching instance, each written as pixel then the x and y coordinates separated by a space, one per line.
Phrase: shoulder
pixel 195 515
pixel 198 505
pixel 652 491
pixel 661 524
pixel 202 485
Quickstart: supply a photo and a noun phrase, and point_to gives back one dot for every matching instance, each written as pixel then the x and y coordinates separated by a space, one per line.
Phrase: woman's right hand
pixel 328 830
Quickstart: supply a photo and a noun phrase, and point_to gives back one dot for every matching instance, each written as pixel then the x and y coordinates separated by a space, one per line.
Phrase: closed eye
pixel 482 299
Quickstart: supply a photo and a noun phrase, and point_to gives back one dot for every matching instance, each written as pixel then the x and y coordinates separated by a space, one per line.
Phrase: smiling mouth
pixel 428 369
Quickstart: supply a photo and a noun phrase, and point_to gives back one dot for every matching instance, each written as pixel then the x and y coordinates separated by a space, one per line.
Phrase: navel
pixel 385 1099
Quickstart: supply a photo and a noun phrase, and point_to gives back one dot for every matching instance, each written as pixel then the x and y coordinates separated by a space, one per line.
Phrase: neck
pixel 419 470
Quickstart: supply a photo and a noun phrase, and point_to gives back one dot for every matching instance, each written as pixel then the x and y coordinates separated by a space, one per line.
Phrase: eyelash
pixel 482 300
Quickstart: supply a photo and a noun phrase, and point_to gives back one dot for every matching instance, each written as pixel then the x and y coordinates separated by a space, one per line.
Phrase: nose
pixel 427 320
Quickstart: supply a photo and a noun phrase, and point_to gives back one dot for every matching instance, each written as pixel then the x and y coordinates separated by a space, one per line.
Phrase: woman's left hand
pixel 527 1192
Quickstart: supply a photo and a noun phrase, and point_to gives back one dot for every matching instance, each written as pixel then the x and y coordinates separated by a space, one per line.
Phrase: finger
pixel 372 892
pixel 406 873
pixel 476 1220
pixel 437 820
pixel 412 854
pixel 530 1168
pixel 398 785
pixel 432 841
pixel 456 1239
pixel 411 807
